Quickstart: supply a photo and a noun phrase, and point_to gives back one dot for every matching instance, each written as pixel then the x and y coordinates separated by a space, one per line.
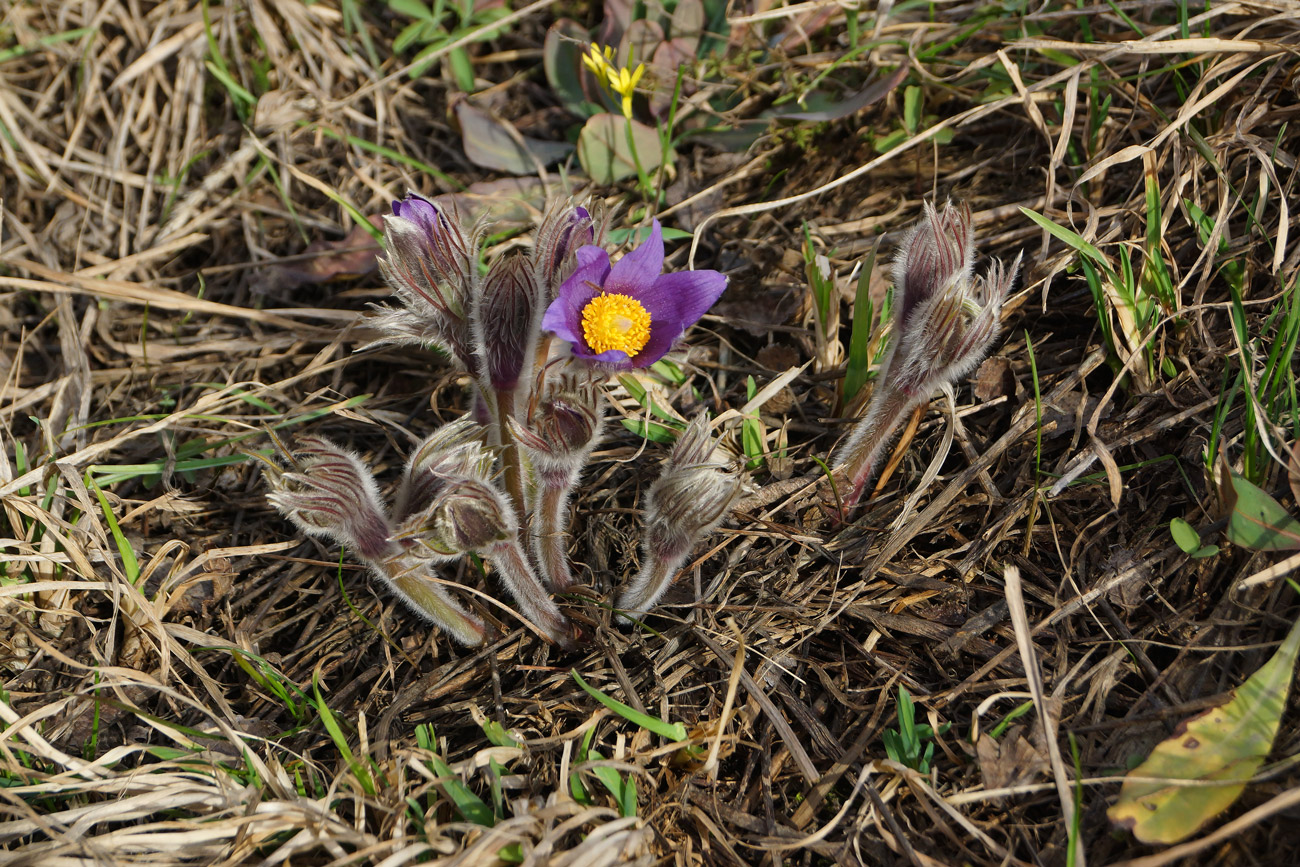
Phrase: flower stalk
pixel 944 321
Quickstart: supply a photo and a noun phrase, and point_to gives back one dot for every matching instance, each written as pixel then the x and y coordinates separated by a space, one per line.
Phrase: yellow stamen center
pixel 613 321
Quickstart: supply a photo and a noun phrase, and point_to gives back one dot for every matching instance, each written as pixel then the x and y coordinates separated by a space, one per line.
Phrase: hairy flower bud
pixel 508 320
pixel 938 251
pixel 466 514
pixel 454 450
pixel 694 492
pixel 564 229
pixel 944 322
pixel 472 515
pixel 561 435
pixel 430 262
pixel 564 429
pixel 691 497
pixel 333 495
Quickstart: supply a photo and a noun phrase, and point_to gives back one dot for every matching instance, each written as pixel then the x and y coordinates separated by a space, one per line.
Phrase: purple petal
pixel 418 210
pixel 593 256
pixel 684 296
pixel 563 317
pixel 616 357
pixel 663 334
pixel 636 272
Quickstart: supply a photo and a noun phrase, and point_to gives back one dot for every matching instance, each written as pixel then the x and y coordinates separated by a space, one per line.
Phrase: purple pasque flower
pixel 430 262
pixel 564 229
pixel 945 321
pixel 946 318
pixel 631 313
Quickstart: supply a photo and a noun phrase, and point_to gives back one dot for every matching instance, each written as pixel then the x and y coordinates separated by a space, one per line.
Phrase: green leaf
pixel 562 62
pixel 669 371
pixel 1074 241
pixel 639 393
pixel 1185 536
pixel 130 564
pixel 1258 521
pixel 462 69
pixel 237 91
pixel 359 769
pixel 859 360
pixel 612 780
pixel 488 143
pixel 409 36
pixel 469 805
pixel 672 731
pixel 1224 745
pixel 886 143
pixel 751 431
pixel 53 39
pixel 604 151
pixel 623 235
pixel 627 805
pixel 912 105
pixel 413 9
pixel 656 433
pixel 497 734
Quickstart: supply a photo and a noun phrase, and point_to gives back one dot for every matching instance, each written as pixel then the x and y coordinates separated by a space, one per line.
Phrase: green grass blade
pixel 129 562
pixel 672 731
pixel 859 361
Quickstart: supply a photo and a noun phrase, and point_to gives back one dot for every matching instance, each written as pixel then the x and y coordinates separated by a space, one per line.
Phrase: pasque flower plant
pixel 944 321
pixel 498 482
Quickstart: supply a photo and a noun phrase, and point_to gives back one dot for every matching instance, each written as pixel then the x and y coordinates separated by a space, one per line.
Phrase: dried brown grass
pixel 139 217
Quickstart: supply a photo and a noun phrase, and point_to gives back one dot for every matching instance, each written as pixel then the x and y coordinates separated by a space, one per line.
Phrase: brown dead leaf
pixel 1011 761
pixel 325 261
pixel 994 379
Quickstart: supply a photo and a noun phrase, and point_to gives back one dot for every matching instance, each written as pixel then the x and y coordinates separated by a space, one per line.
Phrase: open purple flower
pixel 630 314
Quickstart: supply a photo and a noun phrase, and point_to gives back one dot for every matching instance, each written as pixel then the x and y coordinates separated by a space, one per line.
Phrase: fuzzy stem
pixel 429 599
pixel 510 455
pixel 858 457
pixel 657 571
pixel 552 522
pixel 529 594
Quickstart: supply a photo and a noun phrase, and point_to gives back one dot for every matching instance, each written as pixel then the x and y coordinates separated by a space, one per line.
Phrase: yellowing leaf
pixel 1224 745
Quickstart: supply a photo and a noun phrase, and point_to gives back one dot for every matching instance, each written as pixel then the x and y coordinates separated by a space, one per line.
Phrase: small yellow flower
pixel 600 63
pixel 615 79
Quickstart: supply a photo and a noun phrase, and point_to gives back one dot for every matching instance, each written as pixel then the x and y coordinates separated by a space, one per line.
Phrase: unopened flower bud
pixel 561 435
pixel 465 515
pixel 333 495
pixel 508 320
pixel 945 321
pixel 688 501
pixel 453 450
pixel 564 229
pixel 937 251
pixel 564 428
pixel 692 497
pixel 429 261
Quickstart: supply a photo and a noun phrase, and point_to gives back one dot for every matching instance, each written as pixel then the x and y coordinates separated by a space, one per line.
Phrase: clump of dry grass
pixel 185 682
